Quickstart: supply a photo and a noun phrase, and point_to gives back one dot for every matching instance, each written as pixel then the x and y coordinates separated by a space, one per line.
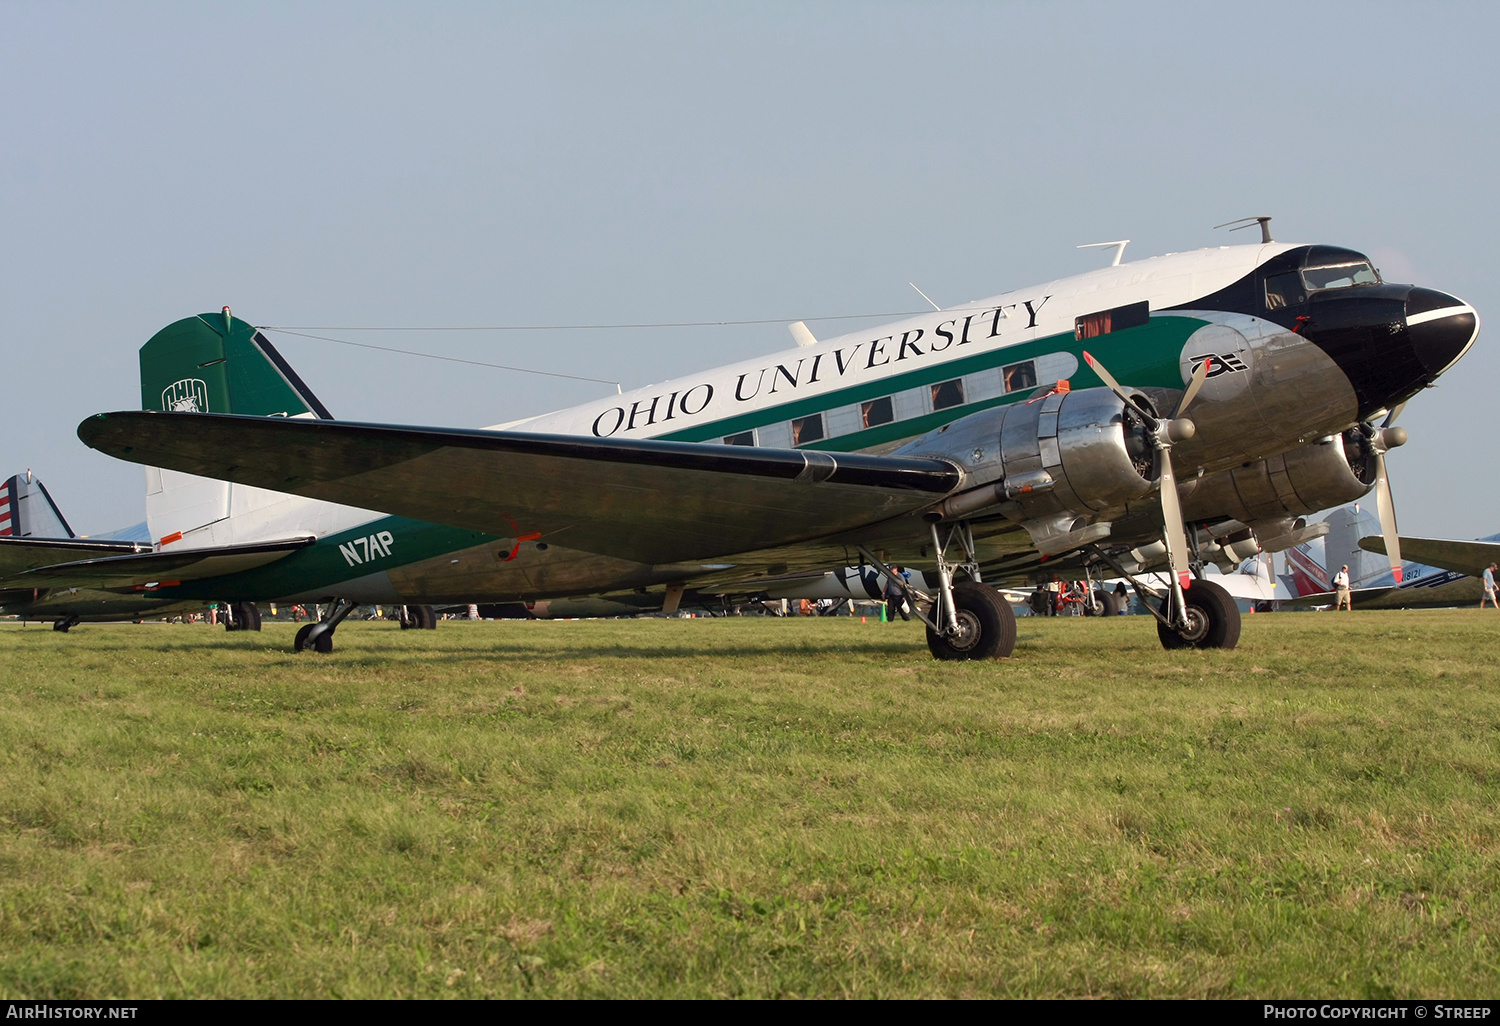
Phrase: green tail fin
pixel 217 363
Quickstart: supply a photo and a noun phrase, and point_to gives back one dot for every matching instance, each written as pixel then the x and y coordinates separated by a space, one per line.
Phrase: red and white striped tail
pixel 1309 577
pixel 6 520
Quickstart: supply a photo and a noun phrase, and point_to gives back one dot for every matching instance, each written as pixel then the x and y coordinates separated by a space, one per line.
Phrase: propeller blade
pixel 1171 514
pixel 1200 375
pixel 1114 386
pixel 1386 507
pixel 1390 418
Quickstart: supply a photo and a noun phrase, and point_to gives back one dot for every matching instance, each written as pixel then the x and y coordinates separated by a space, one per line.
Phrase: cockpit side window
pixel 1284 290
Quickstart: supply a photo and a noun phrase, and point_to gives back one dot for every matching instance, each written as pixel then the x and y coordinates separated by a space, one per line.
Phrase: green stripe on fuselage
pixel 1147 355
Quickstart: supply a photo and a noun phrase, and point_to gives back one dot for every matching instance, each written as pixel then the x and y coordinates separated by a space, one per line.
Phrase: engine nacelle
pixel 1066 452
pixel 1330 472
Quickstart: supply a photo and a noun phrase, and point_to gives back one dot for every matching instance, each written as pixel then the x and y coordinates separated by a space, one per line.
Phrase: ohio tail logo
pixel 190 395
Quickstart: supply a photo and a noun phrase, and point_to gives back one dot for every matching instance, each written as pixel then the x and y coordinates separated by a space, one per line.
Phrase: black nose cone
pixel 1441 328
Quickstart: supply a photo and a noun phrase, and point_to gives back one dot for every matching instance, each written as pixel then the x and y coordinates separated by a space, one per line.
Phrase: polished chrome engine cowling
pixel 1329 472
pixel 1081 452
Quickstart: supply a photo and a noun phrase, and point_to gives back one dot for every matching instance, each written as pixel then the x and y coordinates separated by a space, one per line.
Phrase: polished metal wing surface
pixel 649 501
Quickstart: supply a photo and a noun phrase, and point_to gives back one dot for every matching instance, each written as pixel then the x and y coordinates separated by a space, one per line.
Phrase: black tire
pixel 323 642
pixel 246 617
pixel 300 644
pixel 427 619
pixel 1103 605
pixel 1214 618
pixel 62 625
pixel 988 625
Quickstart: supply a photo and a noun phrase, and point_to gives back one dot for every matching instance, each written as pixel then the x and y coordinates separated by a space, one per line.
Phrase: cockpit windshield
pixel 1330 268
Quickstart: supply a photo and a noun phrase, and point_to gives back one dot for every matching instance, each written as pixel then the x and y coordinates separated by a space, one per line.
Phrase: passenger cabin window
pixel 876 412
pixel 947 394
pixel 807 429
pixel 1105 321
pixel 1284 290
pixel 1019 375
pixel 743 438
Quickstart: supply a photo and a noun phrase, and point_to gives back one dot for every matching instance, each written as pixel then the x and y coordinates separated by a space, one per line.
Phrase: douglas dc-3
pixel 1154 415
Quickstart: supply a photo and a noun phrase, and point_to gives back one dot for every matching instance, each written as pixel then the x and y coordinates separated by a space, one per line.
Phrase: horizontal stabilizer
pixel 19 555
pixel 1461 557
pixel 648 501
pixel 140 569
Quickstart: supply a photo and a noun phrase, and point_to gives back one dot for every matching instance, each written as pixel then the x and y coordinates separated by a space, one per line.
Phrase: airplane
pixel 986 441
pixel 1442 573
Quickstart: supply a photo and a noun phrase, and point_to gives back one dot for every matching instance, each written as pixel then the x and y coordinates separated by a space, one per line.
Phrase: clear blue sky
pixel 442 164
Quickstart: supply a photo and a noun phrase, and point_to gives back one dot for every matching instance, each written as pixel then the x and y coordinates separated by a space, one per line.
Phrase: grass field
pixel 751 808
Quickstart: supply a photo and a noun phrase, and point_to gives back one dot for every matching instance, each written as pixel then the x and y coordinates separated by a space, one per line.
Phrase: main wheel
pixel 1104 604
pixel 427 620
pixel 242 616
pixel 986 625
pixel 1213 619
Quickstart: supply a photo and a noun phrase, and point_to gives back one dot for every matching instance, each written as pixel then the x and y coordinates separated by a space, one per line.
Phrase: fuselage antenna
pixel 1246 222
pixel 925 296
pixel 1119 249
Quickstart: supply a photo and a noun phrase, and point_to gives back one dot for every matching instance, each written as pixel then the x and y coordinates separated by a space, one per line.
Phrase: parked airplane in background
pixel 1440 573
pixel 984 442
pixel 34 532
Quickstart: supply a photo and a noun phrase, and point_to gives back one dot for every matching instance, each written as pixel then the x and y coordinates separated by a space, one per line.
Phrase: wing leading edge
pixel 648 501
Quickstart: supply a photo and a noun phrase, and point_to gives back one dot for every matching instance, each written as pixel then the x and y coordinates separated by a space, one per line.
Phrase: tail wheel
pixel 408 617
pixel 322 643
pixel 986 625
pixel 1213 620
pixel 426 618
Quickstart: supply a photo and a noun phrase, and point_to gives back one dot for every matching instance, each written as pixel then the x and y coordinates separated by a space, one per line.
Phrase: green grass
pixel 751 808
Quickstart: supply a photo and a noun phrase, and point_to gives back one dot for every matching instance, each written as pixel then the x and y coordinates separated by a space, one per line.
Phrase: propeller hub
pixel 1180 429
pixel 1391 437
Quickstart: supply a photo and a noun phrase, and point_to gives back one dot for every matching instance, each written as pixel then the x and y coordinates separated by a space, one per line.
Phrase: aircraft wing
pixel 1358 596
pixel 1462 557
pixel 114 570
pixel 643 500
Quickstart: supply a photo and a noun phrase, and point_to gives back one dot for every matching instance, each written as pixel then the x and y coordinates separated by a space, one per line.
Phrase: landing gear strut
pixel 967 619
pixel 62 624
pixel 319 636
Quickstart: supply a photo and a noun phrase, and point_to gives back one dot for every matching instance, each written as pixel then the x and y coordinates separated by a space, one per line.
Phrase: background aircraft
pixel 959 438
pixel 1440 573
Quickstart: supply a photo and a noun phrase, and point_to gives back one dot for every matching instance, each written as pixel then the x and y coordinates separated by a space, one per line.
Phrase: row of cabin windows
pixel 944 395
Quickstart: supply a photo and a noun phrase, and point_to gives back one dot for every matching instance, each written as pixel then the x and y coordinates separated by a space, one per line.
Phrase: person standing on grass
pixel 1489 587
pixel 1341 585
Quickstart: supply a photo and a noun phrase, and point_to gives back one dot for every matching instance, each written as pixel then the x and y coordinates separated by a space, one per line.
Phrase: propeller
pixel 1381 440
pixel 1165 432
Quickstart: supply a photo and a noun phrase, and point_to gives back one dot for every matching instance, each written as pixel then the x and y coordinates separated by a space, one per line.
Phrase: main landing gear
pixel 319 636
pixel 1211 620
pixel 422 618
pixel 966 619
pixel 241 616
